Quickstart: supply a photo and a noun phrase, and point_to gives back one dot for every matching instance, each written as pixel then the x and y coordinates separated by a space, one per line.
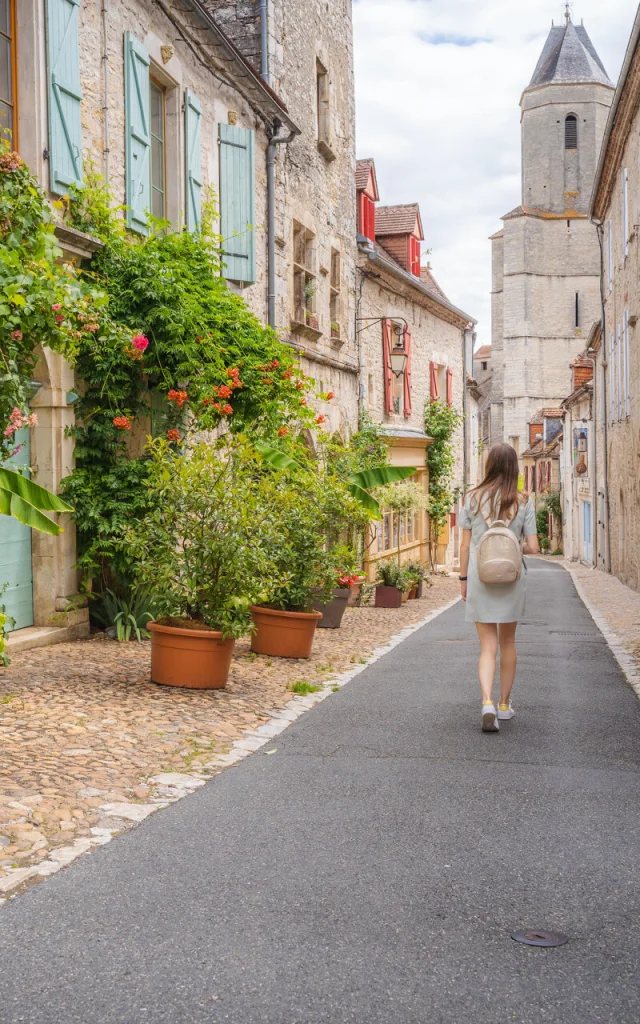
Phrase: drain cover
pixel 537 937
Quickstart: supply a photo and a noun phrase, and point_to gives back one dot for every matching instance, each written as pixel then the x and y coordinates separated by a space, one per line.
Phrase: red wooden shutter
pixel 449 386
pixel 371 220
pixel 548 474
pixel 386 361
pixel 433 379
pixel 362 217
pixel 540 476
pixel 407 374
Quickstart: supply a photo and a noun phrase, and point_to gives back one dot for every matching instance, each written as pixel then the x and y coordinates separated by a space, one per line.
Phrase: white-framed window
pixel 625 356
pixel 609 255
pixel 625 212
pixel 603 408
pixel 612 378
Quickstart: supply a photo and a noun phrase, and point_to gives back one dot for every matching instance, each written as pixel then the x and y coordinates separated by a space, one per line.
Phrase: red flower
pixel 233 371
pixel 226 410
pixel 283 431
pixel 174 435
pixel 16 335
pixel 299 385
pixel 329 395
pixel 275 363
pixel 223 391
pixel 179 397
pixel 287 374
pixel 56 306
pixel 59 319
pixel 303 401
pixel 321 419
pixel 140 342
pixel 121 423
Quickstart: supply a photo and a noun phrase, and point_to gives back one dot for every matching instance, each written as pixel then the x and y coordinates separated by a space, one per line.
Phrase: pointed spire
pixel 567 12
pixel 569 56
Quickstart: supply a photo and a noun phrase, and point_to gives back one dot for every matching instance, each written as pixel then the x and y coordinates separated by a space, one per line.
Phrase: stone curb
pixel 172 786
pixel 622 656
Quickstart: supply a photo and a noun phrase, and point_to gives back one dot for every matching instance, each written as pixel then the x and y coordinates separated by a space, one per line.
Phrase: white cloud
pixel 438 85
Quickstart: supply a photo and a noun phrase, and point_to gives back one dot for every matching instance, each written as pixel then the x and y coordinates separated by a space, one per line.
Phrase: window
pixel 335 283
pixel 609 255
pixel 414 255
pixel 322 111
pixel 612 378
pixel 8 120
pixel 397 385
pixel 304 278
pixel 157 132
pixel 627 380
pixel 619 373
pixel 367 216
pixel 571 132
pixel 625 212
pixel 577 310
pixel 483 365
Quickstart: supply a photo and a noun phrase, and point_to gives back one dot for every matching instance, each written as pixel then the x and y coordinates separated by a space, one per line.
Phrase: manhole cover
pixel 537 937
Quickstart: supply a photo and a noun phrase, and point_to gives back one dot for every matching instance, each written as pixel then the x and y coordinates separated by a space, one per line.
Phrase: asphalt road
pixel 372 870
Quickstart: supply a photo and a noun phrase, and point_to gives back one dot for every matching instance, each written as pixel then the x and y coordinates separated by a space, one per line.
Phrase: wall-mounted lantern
pixel 399 354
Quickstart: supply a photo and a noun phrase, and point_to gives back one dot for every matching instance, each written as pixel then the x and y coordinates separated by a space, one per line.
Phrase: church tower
pixel 546 259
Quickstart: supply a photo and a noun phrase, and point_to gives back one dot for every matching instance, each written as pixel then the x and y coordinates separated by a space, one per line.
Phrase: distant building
pixel 578 465
pixel 546 259
pixel 483 375
pixel 401 307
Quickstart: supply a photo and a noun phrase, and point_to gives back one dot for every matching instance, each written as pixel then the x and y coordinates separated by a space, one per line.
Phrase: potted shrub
pixel 310 510
pixel 197 556
pixel 344 578
pixel 416 574
pixel 390 584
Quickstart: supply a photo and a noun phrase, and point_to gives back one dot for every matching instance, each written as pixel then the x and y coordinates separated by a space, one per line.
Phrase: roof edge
pixel 396 270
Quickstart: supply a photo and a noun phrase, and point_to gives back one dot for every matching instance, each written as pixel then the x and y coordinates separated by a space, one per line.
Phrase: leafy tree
pixel 440 422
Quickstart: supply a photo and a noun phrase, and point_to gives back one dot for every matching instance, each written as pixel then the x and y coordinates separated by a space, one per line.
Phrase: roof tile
pixel 398 220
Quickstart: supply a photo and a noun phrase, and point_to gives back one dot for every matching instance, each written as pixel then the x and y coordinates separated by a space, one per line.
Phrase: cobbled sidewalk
pixel 617 605
pixel 89 746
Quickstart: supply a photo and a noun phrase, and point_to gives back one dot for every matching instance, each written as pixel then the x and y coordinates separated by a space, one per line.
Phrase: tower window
pixel 571 132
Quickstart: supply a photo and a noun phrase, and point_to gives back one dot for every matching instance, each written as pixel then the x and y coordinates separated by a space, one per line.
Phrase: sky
pixel 438 87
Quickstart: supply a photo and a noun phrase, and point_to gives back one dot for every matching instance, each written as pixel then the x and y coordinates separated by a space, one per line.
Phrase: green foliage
pixel 42 301
pixel 302 688
pixel 27 502
pixel 88 207
pixel 129 615
pixel 415 571
pixel 401 497
pixel 440 423
pixel 553 505
pixel 542 522
pixel 201 548
pixel 390 574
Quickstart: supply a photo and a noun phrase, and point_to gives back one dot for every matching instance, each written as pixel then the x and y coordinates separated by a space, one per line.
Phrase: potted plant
pixel 390 584
pixel 198 554
pixel 344 578
pixel 335 329
pixel 416 574
pixel 312 320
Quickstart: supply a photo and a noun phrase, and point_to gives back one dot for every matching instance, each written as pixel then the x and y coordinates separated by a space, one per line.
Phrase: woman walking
pixel 496 607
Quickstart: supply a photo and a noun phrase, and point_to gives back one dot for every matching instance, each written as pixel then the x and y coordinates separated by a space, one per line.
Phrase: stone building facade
pixel 545 290
pixel 400 305
pixel 166 106
pixel 578 466
pixel 615 210
pixel 310 66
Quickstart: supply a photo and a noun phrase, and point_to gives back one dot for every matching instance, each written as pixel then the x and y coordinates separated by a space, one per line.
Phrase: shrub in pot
pixel 198 554
pixel 344 579
pixel 416 574
pixel 310 509
pixel 390 584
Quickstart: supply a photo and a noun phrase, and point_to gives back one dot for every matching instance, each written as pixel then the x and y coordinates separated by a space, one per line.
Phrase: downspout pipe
pixel 603 400
pixel 105 86
pixel 275 141
pixel 264 40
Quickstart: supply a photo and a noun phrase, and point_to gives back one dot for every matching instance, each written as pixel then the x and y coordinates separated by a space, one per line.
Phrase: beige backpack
pixel 498 557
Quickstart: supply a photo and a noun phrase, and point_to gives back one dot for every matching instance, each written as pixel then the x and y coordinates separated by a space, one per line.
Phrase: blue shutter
pixel 236 203
pixel 65 132
pixel 192 120
pixel 138 139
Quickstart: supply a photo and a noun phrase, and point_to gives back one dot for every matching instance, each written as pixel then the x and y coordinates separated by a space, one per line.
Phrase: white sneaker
pixel 505 712
pixel 489 718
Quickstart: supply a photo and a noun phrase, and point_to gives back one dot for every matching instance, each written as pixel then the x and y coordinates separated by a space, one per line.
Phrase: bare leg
pixel 488 633
pixel 508 658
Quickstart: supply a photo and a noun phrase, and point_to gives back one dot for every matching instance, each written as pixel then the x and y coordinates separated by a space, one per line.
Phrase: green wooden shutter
pixel 237 203
pixel 192 120
pixel 65 132
pixel 138 139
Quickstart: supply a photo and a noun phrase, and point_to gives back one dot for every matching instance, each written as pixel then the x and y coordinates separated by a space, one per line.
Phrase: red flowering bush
pixel 180 398
pixel 121 422
pixel 174 435
pixel 140 342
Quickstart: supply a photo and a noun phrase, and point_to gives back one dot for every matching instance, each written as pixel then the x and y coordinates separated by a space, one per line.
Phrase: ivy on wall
pixel 440 423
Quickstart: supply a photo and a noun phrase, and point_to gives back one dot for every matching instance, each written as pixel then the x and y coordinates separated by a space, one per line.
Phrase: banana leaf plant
pixel 27 502
pixel 359 484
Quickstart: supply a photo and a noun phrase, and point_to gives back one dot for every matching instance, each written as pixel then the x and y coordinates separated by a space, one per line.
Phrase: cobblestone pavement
pixel 618 605
pixel 88 744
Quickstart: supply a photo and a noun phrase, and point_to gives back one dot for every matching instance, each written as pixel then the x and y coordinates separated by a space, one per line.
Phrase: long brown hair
pixel 499 489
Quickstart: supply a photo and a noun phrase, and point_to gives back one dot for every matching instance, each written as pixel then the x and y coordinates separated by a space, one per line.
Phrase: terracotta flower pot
pixel 283 634
pixel 354 594
pixel 405 596
pixel 388 597
pixel 333 611
pixel 413 594
pixel 195 658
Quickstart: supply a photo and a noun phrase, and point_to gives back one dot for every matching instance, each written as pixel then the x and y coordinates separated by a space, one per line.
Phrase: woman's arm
pixel 531 545
pixel 464 561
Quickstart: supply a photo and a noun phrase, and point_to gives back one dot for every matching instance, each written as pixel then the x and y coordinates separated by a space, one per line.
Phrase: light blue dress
pixel 495 602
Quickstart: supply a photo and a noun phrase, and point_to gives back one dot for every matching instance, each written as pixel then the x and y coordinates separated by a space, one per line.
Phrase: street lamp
pixel 398 352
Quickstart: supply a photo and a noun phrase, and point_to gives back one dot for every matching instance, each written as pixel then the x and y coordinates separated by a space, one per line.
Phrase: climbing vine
pixel 440 423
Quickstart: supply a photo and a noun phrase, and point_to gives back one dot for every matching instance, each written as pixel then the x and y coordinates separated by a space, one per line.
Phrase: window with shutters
pixel 335 286
pixel 414 255
pixel 367 216
pixel 193 159
pixel 304 276
pixel 138 137
pixel 8 70
pixel 237 197
pixel 158 158
pixel 65 94
pixel 571 132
